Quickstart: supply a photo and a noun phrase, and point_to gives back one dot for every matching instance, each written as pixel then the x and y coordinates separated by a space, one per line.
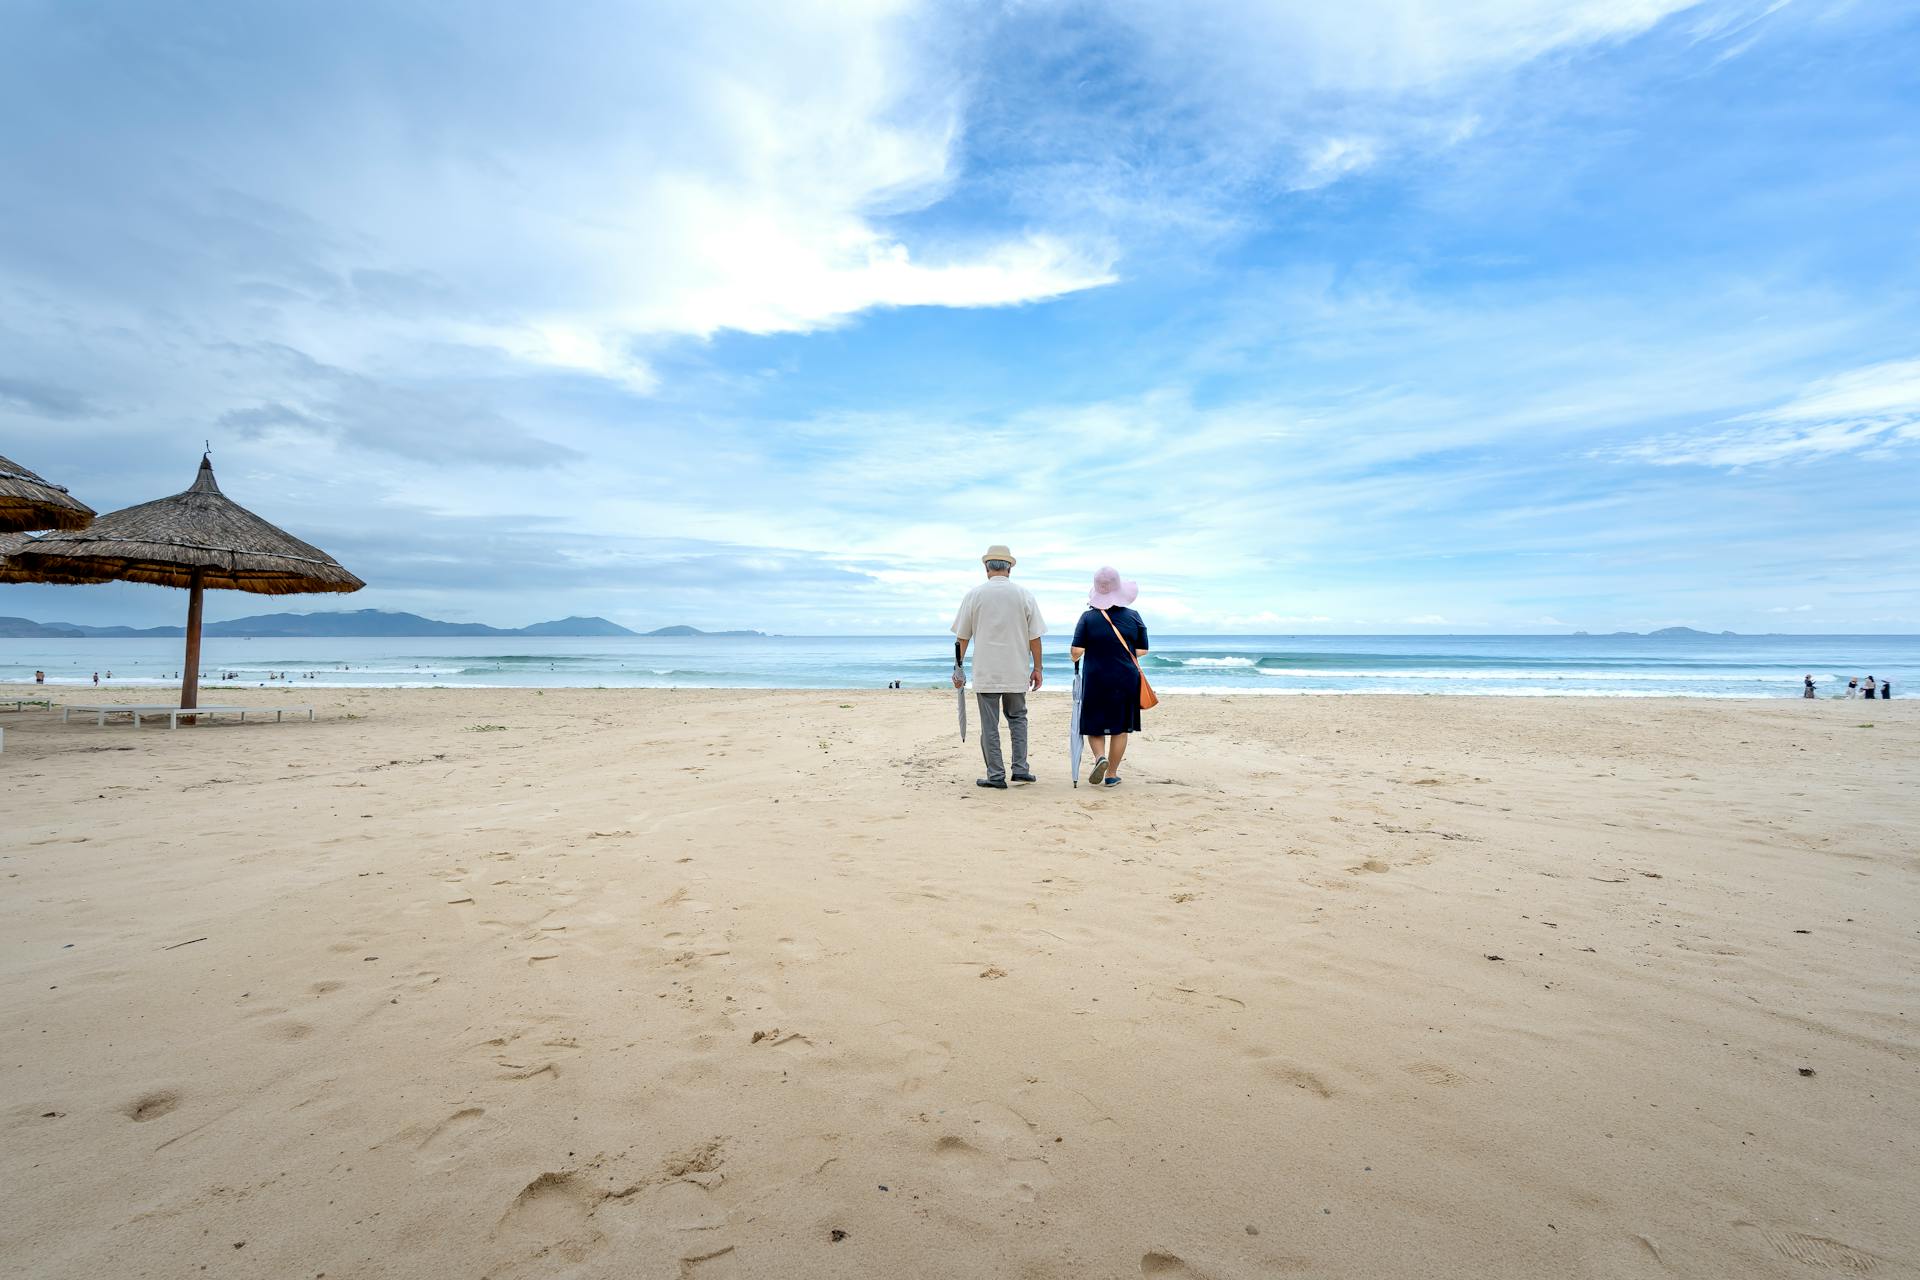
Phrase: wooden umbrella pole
pixel 190 674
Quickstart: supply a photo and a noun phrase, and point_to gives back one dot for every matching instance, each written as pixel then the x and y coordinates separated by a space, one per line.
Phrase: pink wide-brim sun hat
pixel 1109 589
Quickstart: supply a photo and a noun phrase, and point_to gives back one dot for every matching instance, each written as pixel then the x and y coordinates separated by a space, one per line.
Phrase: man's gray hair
pixel 1000 566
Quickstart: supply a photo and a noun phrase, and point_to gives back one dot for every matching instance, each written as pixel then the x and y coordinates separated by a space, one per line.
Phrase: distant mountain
pixel 360 622
pixel 28 629
pixel 1664 633
pixel 575 627
pixel 695 631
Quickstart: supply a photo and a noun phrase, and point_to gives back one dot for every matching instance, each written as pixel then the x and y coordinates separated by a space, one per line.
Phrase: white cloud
pixel 1376 46
pixel 563 190
pixel 1878 390
pixel 1334 159
pixel 1874 407
pixel 1258 79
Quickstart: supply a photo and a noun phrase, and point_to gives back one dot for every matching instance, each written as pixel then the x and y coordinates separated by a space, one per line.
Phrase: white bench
pixel 101 711
pixel 21 704
pixel 173 713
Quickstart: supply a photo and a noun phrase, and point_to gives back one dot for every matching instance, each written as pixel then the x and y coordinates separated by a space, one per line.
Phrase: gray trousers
pixel 991 705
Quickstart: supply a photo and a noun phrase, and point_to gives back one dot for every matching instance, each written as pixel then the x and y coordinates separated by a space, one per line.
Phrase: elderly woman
pixel 1110 639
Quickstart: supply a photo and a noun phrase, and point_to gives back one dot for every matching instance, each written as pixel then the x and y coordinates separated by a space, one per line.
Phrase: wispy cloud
pixel 622 178
pixel 1873 408
pixel 1316 317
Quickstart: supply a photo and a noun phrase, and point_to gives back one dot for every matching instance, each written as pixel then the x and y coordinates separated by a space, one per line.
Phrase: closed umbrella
pixel 198 539
pixel 1074 739
pixel 960 690
pixel 29 502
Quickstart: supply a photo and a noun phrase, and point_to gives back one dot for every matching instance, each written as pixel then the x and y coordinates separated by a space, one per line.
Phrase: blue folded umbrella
pixel 1075 741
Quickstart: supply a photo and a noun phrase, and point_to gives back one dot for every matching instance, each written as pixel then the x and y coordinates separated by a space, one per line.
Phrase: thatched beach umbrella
pixel 28 502
pixel 13 569
pixel 197 539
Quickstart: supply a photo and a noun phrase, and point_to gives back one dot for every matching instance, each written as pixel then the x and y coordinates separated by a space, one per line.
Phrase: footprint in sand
pixel 535 1070
pixel 151 1105
pixel 453 1139
pixel 1811 1250
pixel 793 951
pixel 920 1059
pixel 717 1265
pixel 555 1211
pixel 455 1129
pixel 1169 1265
pixel 1434 1073
pixel 998 1156
pixel 1293 1075
pixel 793 1044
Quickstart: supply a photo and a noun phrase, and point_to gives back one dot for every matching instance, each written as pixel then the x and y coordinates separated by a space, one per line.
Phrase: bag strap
pixel 1131 656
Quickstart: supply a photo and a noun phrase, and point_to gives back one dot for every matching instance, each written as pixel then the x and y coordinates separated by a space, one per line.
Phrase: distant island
pixel 695 631
pixel 360 622
pixel 1664 633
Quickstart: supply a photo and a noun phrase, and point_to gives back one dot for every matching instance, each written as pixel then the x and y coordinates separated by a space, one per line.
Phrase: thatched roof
pixel 164 542
pixel 14 570
pixel 28 502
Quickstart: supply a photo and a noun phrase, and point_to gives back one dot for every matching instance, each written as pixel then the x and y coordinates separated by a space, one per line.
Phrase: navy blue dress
pixel 1110 687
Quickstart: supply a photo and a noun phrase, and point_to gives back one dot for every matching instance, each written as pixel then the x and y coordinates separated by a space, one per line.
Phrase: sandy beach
pixel 495 983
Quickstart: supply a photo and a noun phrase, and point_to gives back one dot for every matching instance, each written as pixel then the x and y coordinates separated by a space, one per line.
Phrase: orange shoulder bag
pixel 1148 698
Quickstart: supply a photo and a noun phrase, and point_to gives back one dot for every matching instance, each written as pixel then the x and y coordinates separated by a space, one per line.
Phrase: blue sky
pixel 1498 315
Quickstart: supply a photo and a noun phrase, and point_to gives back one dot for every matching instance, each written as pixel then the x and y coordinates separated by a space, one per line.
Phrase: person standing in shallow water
pixel 1003 625
pixel 1109 639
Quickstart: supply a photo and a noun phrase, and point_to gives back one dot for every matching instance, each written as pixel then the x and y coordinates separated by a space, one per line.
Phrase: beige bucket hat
pixel 998 551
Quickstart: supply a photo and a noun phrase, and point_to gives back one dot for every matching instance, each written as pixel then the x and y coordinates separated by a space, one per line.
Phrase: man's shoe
pixel 989 782
pixel 1021 776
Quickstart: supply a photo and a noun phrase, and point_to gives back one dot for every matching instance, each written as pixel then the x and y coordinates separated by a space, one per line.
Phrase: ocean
pixel 1504 666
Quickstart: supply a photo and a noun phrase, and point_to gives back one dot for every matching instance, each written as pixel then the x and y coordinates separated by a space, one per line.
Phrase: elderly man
pixel 1002 623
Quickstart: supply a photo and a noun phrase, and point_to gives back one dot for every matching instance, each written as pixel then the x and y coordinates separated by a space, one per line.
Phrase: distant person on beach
pixel 1809 692
pixel 39 677
pixel 1853 687
pixel 1109 638
pixel 96 679
pixel 1868 688
pixel 1003 626
pixel 1886 690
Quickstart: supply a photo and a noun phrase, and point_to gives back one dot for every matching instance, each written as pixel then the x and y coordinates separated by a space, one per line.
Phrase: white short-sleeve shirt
pixel 998 619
